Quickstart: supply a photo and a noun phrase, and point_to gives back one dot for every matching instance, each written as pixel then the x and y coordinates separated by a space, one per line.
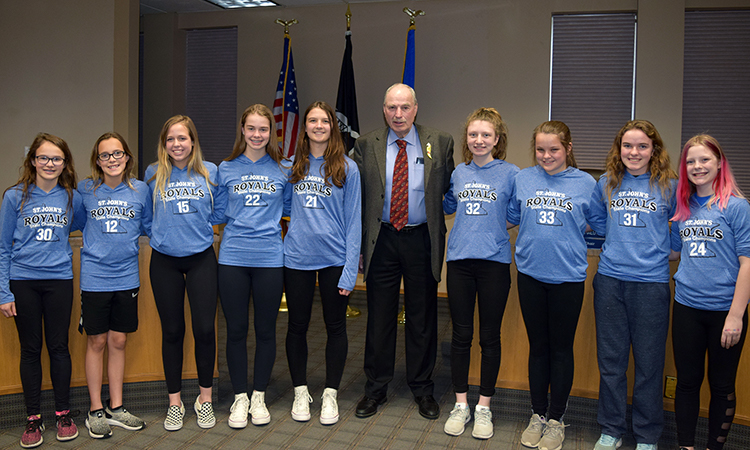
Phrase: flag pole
pixel 408 79
pixel 283 307
pixel 350 311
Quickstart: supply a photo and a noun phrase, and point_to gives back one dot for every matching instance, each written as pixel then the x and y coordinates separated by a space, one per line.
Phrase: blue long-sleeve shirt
pixel 636 229
pixel 255 205
pixel 710 244
pixel 185 214
pixel 551 211
pixel 34 242
pixel 326 223
pixel 479 196
pixel 115 219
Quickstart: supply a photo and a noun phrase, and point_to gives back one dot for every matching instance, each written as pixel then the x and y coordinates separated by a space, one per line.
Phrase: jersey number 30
pixel 44 234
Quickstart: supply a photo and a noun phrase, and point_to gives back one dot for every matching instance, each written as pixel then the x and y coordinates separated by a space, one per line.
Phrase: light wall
pixel 66 68
pixel 469 54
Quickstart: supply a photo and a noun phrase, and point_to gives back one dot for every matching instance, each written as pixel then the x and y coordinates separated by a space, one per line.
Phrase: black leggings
pixel 44 303
pixel 490 280
pixel 170 275
pixel 550 313
pixel 300 287
pixel 694 333
pixel 266 285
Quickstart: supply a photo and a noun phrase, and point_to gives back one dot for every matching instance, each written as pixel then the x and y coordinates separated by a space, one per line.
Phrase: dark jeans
pixel 300 287
pixel 398 254
pixel 486 283
pixel 44 304
pixel 696 332
pixel 631 313
pixel 550 313
pixel 170 276
pixel 236 284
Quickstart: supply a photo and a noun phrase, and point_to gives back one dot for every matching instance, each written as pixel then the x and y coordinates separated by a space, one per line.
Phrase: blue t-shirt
pixel 115 219
pixel 551 211
pixel 710 243
pixel 255 193
pixel 34 241
pixel 479 196
pixel 184 214
pixel 635 224
pixel 326 223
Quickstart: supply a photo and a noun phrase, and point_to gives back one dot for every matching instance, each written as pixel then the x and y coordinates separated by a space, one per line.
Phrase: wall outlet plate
pixel 670 385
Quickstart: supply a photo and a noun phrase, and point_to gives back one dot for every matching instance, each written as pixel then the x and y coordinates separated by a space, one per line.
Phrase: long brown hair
pixel 67 178
pixel 97 174
pixel 493 117
pixel 335 162
pixel 658 165
pixel 272 148
pixel 164 162
pixel 562 132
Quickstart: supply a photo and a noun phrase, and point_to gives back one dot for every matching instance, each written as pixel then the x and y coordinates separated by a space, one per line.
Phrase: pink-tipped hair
pixel 724 184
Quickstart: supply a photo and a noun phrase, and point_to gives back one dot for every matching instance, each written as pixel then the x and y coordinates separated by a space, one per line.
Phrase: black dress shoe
pixel 428 407
pixel 368 406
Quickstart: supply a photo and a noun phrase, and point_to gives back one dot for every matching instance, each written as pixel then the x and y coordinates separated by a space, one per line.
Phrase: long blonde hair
pixel 164 162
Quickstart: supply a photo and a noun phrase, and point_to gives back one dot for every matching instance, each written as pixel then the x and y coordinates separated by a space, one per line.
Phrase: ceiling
pixel 188 6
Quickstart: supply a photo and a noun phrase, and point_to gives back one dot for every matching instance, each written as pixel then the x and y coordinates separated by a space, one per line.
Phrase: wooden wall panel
pixel 143 357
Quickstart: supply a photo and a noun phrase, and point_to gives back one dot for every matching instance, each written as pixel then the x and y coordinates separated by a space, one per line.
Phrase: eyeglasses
pixel 117 154
pixel 44 159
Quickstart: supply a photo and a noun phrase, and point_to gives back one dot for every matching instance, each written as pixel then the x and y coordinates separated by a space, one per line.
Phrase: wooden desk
pixel 143 359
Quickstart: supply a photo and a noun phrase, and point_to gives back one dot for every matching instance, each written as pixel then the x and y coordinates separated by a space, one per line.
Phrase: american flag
pixel 286 107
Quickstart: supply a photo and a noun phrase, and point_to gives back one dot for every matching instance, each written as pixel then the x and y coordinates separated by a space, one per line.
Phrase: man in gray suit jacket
pixel 411 247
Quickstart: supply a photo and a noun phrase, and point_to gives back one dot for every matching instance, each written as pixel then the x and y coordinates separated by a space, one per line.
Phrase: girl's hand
pixel 344 292
pixel 8 309
pixel 732 331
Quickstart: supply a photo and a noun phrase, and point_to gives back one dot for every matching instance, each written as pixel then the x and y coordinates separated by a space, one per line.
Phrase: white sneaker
pixel 238 416
pixel 301 405
pixel 646 447
pixel 533 432
pixel 456 423
pixel 258 410
pixel 553 436
pixel 329 411
pixel 483 428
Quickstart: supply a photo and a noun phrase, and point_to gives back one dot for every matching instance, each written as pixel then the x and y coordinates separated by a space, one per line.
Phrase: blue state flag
pixel 409 57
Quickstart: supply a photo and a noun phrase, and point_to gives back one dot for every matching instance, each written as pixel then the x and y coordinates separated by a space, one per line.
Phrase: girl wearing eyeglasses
pixel 118 211
pixel 36 275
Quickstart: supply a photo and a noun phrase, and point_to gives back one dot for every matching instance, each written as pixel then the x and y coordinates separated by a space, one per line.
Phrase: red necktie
pixel 400 188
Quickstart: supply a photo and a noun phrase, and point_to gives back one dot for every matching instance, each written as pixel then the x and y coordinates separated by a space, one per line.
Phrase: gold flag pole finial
pixel 286 24
pixel 348 18
pixel 413 14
